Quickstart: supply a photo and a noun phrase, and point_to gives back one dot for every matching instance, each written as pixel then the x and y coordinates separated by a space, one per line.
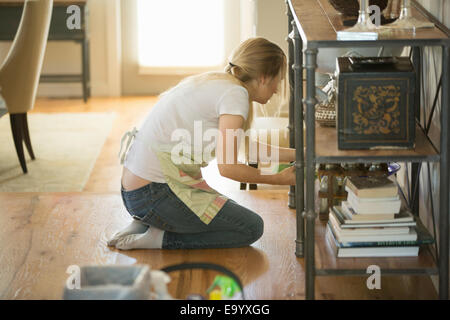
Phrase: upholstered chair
pixel 20 72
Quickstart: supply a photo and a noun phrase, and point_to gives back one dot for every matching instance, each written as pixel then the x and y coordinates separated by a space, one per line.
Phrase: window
pixel 178 36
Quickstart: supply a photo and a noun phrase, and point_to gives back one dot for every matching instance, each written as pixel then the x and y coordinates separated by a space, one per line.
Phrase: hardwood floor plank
pixel 43 234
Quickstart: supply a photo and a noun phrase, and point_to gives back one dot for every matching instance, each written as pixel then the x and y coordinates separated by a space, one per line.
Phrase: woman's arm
pixel 284 154
pixel 227 155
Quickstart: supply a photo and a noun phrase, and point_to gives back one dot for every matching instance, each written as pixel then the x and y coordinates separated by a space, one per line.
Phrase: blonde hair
pixel 257 57
pixel 253 58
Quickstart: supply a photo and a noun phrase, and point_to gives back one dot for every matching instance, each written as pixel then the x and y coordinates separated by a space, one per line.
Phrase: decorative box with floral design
pixel 375 102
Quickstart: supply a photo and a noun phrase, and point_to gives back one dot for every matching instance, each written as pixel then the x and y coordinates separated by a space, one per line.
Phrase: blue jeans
pixel 156 205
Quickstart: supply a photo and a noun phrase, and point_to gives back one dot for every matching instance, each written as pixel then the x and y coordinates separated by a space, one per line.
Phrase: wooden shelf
pixel 320 22
pixel 327 150
pixel 328 264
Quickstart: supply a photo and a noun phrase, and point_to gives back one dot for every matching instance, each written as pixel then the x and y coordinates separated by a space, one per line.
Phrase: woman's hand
pixel 227 162
pixel 287 176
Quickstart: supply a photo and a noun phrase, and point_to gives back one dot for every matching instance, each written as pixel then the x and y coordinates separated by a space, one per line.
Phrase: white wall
pixel 272 22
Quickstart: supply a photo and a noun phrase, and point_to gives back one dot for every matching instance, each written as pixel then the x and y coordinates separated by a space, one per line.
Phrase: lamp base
pixel 410 23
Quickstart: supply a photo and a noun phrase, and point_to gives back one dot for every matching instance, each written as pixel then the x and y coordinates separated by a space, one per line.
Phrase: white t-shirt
pixel 190 108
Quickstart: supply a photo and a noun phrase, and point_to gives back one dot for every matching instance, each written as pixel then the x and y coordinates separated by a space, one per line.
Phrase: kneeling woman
pixel 162 186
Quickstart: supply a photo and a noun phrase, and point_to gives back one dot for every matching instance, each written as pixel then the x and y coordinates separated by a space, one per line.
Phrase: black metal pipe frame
pixel 350 159
pixel 310 102
pixel 436 249
pixel 384 272
pixel 415 167
pixel 300 163
pixel 290 63
pixel 444 176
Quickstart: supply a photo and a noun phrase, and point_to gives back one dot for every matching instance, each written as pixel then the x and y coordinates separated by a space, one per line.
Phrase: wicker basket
pixel 326 114
pixel 351 7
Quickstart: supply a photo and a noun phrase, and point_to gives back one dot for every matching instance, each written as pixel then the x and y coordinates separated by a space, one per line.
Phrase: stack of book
pixel 371 223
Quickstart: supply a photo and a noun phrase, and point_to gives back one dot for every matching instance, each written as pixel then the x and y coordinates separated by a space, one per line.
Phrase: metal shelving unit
pixel 313 25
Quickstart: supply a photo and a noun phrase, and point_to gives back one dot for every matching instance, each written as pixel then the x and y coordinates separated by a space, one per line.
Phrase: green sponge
pixel 281 166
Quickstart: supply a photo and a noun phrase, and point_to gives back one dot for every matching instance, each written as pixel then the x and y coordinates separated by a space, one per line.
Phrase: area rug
pixel 66 146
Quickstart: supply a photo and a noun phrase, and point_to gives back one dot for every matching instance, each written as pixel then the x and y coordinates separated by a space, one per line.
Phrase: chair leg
pixel 17 132
pixel 253 186
pixel 26 136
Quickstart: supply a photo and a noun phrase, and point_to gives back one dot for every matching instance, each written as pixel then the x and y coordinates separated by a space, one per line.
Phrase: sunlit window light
pixel 181 33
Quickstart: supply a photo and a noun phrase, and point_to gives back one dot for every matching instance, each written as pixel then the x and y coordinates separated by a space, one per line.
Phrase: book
pixel 372 187
pixel 384 206
pixel 423 238
pixel 403 219
pixel 372 200
pixel 356 252
pixel 366 231
pixel 410 236
pixel 352 215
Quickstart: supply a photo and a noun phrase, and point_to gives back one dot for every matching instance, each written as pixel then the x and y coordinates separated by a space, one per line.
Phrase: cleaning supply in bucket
pixel 223 287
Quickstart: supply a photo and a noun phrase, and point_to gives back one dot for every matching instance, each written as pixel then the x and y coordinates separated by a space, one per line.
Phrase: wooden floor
pixel 42 234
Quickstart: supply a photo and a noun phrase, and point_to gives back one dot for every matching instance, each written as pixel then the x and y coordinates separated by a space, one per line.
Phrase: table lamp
pixel 407 21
